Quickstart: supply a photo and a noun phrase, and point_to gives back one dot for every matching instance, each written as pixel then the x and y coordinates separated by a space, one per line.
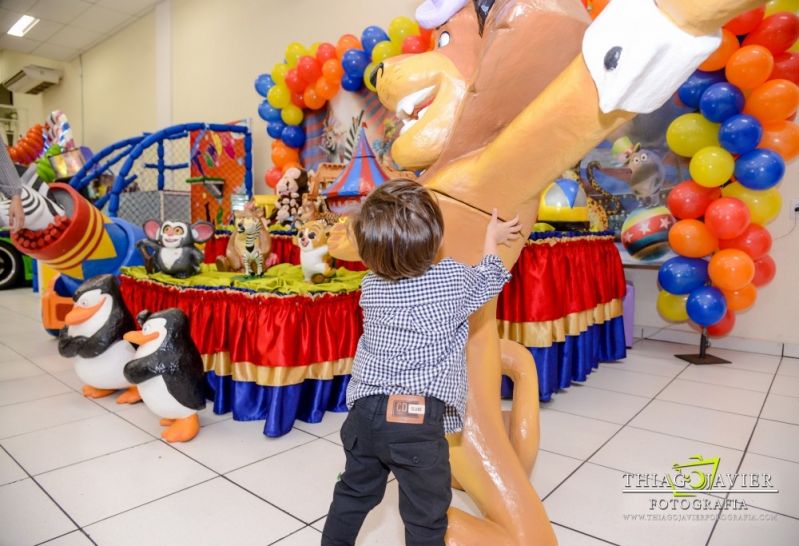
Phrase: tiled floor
pixel 75 471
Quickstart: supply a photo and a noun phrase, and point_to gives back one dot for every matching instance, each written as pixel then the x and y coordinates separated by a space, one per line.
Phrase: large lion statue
pixel 514 93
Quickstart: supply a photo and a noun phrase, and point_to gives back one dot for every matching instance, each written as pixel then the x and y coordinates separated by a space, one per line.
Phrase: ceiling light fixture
pixel 22 26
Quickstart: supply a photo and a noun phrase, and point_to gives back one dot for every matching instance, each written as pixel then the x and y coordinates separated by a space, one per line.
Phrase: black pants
pixel 418 456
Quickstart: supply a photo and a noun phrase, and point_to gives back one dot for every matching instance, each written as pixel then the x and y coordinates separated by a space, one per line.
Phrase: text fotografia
pixel 699 475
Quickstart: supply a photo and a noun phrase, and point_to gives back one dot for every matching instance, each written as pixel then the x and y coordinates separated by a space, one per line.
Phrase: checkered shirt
pixel 415 332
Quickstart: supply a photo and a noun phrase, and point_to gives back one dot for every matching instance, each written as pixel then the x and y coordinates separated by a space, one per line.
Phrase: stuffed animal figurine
pixel 250 247
pixel 169 247
pixel 290 189
pixel 314 257
pixel 168 370
pixel 93 337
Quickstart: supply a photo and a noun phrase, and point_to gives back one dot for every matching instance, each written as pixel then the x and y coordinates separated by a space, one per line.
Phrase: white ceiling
pixel 67 27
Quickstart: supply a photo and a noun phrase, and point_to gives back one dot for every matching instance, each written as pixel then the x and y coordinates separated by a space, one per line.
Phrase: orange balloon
pixel 717 59
pixel 326 89
pixel 775 100
pixel 740 300
pixel 294 164
pixel 731 269
pixel 282 156
pixel 750 66
pixel 347 42
pixel 332 70
pixel 692 238
pixel 782 137
pixel 312 98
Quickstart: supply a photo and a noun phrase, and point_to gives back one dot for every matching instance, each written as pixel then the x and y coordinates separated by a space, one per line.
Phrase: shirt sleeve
pixel 484 281
pixel 10 183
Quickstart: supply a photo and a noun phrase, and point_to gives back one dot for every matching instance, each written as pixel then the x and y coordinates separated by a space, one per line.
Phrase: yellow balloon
pixel 764 206
pixel 314 48
pixel 400 28
pixel 367 76
pixel 672 307
pixel 294 51
pixel 776 6
pixel 292 115
pixel 384 50
pixel 690 133
pixel 712 166
pixel 279 96
pixel 279 73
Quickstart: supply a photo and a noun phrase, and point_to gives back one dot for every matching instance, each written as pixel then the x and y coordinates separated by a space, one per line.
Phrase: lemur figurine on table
pixel 169 247
pixel 314 256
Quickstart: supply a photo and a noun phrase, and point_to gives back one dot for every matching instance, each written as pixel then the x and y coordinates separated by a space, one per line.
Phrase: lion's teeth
pixel 408 104
pixel 407 124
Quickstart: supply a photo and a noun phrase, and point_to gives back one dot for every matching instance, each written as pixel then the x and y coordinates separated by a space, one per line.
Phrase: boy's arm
pixel 483 282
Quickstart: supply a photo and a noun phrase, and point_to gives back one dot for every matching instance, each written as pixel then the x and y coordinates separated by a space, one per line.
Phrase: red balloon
pixel 755 241
pixel 690 200
pixel 426 34
pixel 727 217
pixel 413 44
pixel 298 99
pixel 746 22
pixel 776 33
pixel 309 69
pixel 295 82
pixel 325 52
pixel 273 177
pixel 786 67
pixel 765 270
pixel 722 327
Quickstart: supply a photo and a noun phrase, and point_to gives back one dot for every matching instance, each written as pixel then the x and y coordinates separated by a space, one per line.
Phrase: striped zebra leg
pixel 39 210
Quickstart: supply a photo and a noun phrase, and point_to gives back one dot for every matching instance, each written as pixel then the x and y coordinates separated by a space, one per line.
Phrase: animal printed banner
pixel 628 177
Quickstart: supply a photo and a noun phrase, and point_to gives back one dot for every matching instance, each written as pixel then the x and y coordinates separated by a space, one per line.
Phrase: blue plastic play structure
pixel 128 151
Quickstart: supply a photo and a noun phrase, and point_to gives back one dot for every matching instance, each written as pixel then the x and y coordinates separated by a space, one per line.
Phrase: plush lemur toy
pixel 314 256
pixel 169 247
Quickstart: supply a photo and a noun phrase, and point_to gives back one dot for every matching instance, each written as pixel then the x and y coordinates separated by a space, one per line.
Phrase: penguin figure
pixel 168 370
pixel 93 336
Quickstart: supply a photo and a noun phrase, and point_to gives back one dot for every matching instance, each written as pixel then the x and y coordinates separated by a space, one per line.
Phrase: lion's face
pixel 426 91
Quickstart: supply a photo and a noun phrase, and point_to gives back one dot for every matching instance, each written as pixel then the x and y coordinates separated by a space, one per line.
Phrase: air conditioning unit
pixel 32 79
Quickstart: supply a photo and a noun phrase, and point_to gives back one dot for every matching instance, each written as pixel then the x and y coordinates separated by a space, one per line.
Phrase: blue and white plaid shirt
pixel 415 332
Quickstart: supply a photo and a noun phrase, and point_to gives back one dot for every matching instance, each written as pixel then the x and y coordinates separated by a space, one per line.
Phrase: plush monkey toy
pixel 169 247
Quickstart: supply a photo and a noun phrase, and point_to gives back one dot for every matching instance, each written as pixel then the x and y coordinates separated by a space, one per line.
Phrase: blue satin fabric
pixel 574 358
pixel 279 406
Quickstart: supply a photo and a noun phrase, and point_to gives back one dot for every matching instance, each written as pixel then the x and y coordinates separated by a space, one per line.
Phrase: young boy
pixel 408 386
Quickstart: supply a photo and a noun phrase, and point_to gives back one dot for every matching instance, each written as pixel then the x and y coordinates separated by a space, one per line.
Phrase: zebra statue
pixel 249 243
pixel 39 211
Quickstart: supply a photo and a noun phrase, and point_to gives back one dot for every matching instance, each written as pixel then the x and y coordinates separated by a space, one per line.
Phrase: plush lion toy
pixel 514 93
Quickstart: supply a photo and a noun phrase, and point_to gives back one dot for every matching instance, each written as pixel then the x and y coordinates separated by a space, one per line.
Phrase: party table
pixel 279 349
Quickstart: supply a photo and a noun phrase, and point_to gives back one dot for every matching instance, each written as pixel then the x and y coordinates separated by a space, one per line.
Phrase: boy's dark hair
pixel 399 230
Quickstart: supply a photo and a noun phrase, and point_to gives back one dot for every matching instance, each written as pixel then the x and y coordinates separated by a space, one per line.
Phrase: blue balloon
pixel 721 101
pixel 263 84
pixel 351 83
pixel 267 112
pixel 275 129
pixel 293 136
pixel 706 306
pixel 683 275
pixel 355 62
pixel 760 169
pixel 691 91
pixel 740 134
pixel 372 36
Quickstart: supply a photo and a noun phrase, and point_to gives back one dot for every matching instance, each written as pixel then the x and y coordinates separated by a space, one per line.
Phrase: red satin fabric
pixel 264 330
pixel 551 281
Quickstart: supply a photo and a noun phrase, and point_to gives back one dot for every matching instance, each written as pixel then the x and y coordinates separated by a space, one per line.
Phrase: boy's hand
pixel 503 232
pixel 16 216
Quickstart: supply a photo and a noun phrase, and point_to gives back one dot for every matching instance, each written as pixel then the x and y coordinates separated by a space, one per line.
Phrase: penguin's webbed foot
pixel 166 422
pixel 182 430
pixel 130 396
pixel 93 392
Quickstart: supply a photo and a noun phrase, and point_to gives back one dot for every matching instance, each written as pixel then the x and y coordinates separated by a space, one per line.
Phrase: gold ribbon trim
pixel 544 334
pixel 552 241
pixel 274 376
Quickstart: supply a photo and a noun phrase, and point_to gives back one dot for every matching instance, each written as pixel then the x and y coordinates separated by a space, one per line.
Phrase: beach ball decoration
pixel 645 233
pixel 738 141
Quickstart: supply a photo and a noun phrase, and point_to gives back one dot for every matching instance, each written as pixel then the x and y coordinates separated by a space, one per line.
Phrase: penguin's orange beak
pixel 138 338
pixel 82 314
